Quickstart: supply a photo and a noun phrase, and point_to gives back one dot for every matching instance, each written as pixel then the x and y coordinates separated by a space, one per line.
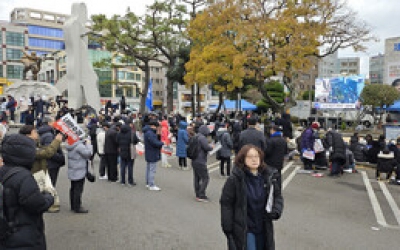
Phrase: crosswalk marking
pixel 289 178
pixel 391 201
pixel 374 201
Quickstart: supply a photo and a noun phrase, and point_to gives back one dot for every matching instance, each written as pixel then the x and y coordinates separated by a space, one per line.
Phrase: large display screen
pixel 339 92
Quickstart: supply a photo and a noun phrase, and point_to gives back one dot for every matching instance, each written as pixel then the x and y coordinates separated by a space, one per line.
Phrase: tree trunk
pixel 193 102
pixel 198 99
pixel 170 96
pixel 145 89
pixel 220 101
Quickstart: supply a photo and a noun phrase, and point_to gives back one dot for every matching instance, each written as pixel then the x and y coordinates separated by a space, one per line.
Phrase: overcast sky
pixel 382 15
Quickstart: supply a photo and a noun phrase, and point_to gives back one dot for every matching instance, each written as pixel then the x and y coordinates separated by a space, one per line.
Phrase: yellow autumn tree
pixel 268 38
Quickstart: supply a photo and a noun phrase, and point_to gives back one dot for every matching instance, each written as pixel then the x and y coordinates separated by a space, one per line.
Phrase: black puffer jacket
pixel 335 140
pixel 234 209
pixel 276 150
pixel 47 136
pixel 110 145
pixel 24 204
pixel 236 130
pixel 124 140
pixel 359 150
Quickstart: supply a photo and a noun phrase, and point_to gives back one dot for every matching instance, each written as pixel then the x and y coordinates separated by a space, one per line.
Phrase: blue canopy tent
pixel 244 105
pixel 394 107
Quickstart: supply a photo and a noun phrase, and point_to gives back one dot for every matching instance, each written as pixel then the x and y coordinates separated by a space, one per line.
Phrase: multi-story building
pixel 328 66
pixel 349 66
pixel 376 69
pixel 45 34
pixel 392 61
pixel 13 40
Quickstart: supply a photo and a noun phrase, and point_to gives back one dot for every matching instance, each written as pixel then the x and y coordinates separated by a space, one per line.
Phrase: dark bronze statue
pixel 31 62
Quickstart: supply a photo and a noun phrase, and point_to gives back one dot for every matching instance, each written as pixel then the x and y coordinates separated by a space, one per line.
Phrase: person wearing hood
pixel 152 149
pixel 78 155
pixel 43 154
pixel 251 200
pixel 225 153
pixel 199 164
pixel 47 135
pixel 127 139
pixel 166 139
pixel 386 164
pixel 276 150
pixel 181 145
pixel 24 204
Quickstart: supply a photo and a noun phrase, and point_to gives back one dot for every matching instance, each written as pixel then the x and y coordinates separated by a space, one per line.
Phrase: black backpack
pixel 5 225
pixel 192 149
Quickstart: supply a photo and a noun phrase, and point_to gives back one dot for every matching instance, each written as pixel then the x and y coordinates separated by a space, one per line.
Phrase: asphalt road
pixel 351 212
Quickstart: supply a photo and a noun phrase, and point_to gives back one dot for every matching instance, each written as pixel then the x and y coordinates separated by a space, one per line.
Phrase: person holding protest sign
pixel 78 155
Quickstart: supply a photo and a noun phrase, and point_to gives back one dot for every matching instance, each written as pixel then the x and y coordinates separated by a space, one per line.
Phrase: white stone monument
pixel 81 78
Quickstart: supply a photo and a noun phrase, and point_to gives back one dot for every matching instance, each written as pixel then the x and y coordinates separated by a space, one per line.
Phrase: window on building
pixel 1 70
pixel 14 38
pixel 157 81
pixel 121 75
pixel 119 92
pixel 14 71
pixel 157 93
pixel 130 76
pixel 129 92
pixel 157 69
pixel 45 31
pixel 137 92
pixel 138 77
pixel 13 54
pixel 46 43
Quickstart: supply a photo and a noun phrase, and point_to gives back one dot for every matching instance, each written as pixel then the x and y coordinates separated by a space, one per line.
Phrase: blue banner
pixel 149 97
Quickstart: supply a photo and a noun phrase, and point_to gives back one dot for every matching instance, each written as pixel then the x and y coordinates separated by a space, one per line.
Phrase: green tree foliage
pixel 379 95
pixel 276 92
pixel 156 36
pixel 306 95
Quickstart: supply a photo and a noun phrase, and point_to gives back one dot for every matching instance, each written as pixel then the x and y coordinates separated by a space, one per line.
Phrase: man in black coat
pixel 47 135
pixel 24 204
pixel 252 136
pixel 276 150
pixel 111 152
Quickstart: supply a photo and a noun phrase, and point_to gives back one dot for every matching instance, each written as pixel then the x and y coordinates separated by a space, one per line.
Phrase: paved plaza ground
pixel 320 213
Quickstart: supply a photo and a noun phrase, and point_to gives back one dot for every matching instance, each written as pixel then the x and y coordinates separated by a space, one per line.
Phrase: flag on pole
pixel 149 98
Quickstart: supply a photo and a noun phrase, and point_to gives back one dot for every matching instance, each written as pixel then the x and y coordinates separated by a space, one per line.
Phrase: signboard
pixel 339 92
pixel 68 126
pixel 393 73
pixel 392 132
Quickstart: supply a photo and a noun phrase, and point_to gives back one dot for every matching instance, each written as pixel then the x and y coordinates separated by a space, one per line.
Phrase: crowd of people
pixel 251 196
pixel 322 149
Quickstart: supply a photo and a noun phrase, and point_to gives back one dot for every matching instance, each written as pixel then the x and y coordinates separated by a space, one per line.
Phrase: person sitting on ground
pixel 372 153
pixel 350 165
pixel 359 150
pixel 386 164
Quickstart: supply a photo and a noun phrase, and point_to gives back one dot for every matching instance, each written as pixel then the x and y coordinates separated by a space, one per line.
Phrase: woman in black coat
pixel 251 199
pixel 24 204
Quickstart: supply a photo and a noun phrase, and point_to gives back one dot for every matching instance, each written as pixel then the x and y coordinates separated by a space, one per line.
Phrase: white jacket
pixel 101 139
